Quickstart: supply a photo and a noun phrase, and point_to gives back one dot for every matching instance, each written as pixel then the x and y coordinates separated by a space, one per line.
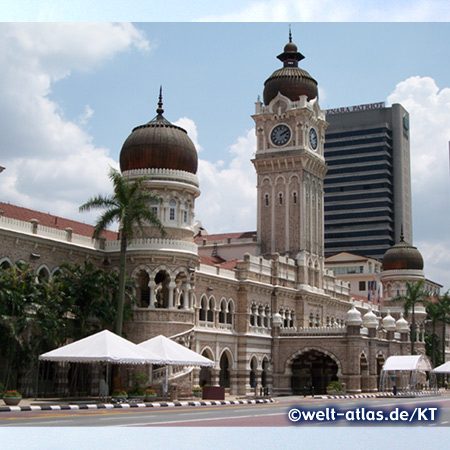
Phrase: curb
pixel 382 395
pixel 131 405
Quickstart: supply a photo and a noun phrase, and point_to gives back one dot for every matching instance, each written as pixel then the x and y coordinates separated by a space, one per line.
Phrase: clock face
pixel 313 138
pixel 280 135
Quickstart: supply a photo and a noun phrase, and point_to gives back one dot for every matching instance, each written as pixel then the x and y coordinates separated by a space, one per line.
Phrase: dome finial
pixel 290 33
pixel 160 109
pixel 402 236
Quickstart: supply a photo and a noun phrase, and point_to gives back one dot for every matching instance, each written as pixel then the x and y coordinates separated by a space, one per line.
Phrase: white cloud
pixel 191 128
pixel 336 11
pixel 51 163
pixel 429 109
pixel 228 200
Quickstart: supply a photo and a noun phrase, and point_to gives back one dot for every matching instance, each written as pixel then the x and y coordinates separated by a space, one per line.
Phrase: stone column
pixel 152 286
pixel 171 287
pixel 186 296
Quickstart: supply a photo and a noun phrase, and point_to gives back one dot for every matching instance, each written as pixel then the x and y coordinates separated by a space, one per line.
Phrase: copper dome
pixel 159 145
pixel 402 256
pixel 290 81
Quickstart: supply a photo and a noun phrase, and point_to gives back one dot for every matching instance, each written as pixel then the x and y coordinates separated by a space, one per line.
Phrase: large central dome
pixel 159 145
pixel 290 81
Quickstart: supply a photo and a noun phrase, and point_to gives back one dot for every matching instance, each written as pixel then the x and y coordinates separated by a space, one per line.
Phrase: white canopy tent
pixel 103 347
pixel 408 374
pixel 444 368
pixel 407 362
pixel 174 354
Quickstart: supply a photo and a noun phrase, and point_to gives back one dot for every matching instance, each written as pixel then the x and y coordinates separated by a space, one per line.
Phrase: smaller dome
pixel 353 317
pixel 290 80
pixel 277 320
pixel 402 325
pixel 402 256
pixel 388 322
pixel 290 47
pixel 370 320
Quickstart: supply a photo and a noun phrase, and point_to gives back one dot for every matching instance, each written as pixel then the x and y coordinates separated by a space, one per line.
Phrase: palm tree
pixel 130 206
pixel 415 294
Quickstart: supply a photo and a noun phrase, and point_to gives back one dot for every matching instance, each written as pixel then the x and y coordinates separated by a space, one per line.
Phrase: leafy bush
pixel 335 386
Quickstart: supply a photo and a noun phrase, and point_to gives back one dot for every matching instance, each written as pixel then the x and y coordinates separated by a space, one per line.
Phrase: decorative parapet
pixel 170 245
pixel 33 228
pixel 163 174
pixel 217 270
pixel 314 331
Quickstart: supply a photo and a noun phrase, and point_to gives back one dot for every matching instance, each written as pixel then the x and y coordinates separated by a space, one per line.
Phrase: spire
pixel 160 109
pixel 290 56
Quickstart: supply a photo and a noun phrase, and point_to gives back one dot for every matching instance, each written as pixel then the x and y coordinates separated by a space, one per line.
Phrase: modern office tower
pixel 368 183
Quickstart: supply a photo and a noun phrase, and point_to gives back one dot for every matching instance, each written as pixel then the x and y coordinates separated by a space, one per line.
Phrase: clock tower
pixel 290 163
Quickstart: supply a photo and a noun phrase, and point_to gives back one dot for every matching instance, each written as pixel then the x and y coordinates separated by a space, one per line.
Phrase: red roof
pixel 217 260
pixel 224 236
pixel 51 221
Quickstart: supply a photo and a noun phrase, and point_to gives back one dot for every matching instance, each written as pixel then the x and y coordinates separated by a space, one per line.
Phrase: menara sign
pixel 348 109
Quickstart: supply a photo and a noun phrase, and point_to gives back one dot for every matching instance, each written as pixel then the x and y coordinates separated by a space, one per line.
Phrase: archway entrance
pixel 224 376
pixel 380 363
pixel 205 372
pixel 310 370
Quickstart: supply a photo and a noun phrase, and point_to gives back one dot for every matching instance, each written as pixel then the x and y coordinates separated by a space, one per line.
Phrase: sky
pixel 72 92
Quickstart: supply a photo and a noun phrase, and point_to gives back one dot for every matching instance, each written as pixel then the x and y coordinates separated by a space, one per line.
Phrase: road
pixel 263 415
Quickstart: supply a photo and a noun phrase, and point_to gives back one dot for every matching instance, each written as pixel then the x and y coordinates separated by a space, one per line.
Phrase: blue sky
pixel 70 98
pixel 74 91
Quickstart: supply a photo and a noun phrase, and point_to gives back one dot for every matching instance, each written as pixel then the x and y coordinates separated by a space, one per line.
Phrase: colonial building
pixel 267 311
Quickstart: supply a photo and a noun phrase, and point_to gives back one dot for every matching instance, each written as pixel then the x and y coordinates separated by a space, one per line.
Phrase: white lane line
pixel 203 420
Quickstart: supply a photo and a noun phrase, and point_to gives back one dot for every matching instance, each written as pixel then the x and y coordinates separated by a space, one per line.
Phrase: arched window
pixel 222 312
pixel 266 198
pixel 202 310
pixel 266 317
pixel 154 208
pixel 259 316
pixel 230 313
pixel 143 290
pixel 172 209
pixel 5 265
pixel 294 197
pixel 43 275
pixel 210 314
pixel 185 213
pixel 280 198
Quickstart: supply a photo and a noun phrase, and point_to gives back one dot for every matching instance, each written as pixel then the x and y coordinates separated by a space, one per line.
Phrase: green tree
pixel 130 206
pixel 31 319
pixel 415 295
pixel 443 303
pixel 91 297
pixel 434 314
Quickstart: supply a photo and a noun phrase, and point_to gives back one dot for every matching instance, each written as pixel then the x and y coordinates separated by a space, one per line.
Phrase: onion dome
pixel 389 322
pixel 159 145
pixel 277 320
pixel 402 325
pixel 402 256
pixel 370 320
pixel 353 317
pixel 290 81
